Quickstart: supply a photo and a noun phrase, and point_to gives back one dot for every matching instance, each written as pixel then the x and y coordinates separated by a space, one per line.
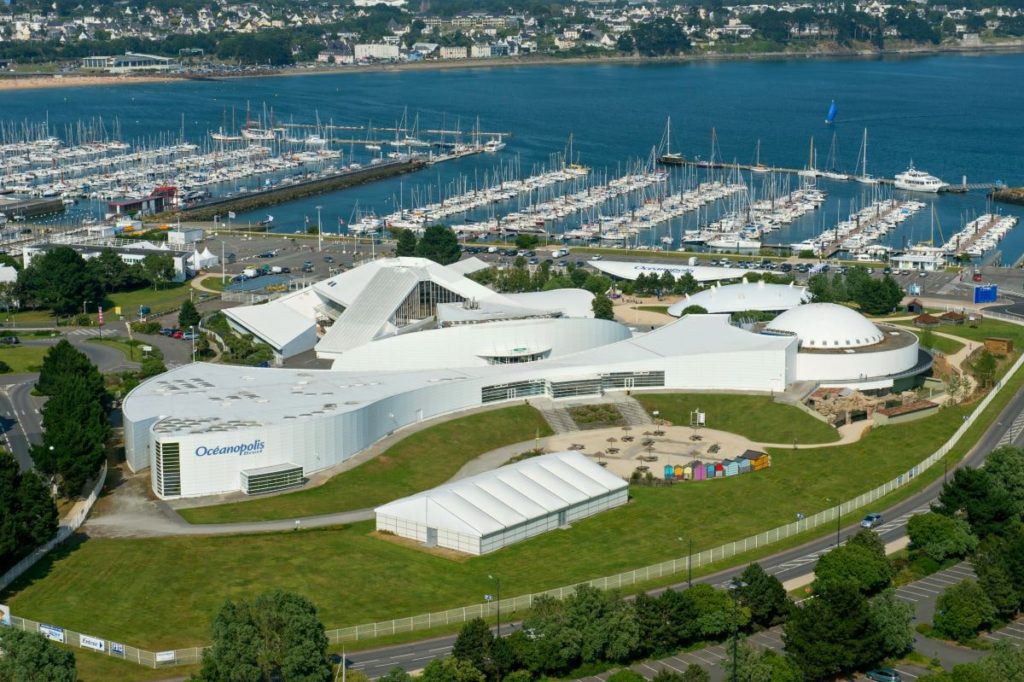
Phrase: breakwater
pixel 300 190
pixel 1009 195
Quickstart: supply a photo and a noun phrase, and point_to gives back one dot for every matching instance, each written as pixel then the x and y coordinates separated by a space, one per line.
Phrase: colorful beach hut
pixel 732 467
pixel 678 472
pixel 758 460
pixel 719 469
pixel 709 470
pixel 744 465
pixel 687 472
pixel 669 472
pixel 699 471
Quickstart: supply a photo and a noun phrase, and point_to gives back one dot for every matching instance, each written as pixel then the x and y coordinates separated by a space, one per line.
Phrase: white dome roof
pixel 827 326
pixel 735 298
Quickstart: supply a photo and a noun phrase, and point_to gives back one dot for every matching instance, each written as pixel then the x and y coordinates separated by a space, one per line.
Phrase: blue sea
pixel 954 116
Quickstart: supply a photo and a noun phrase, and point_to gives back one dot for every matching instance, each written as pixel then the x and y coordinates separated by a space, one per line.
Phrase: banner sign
pixel 986 294
pixel 164 656
pixel 117 649
pixel 52 632
pixel 94 643
pixel 5 614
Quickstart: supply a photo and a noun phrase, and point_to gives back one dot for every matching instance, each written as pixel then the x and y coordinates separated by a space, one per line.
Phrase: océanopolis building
pixel 206 429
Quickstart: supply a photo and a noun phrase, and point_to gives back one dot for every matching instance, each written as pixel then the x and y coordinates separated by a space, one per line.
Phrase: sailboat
pixel 810 171
pixel 758 167
pixel 670 158
pixel 830 117
pixel 862 165
pixel 831 172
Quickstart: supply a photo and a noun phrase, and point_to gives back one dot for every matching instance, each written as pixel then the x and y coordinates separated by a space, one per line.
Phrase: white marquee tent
pixel 486 512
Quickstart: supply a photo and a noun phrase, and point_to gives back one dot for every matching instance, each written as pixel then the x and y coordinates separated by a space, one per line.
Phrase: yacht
pixel 734 242
pixel 917 181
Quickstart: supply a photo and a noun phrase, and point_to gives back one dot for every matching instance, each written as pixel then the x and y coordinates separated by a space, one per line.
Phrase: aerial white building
pixel 207 429
pixel 735 298
pixel 391 297
pixel 486 512
pixel 702 273
pixel 839 346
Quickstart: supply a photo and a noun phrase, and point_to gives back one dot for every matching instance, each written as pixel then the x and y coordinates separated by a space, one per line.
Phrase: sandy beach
pixel 29 82
pixel 70 81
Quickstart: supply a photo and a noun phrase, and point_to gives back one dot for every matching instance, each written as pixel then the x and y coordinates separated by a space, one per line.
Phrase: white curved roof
pixel 827 326
pixel 508 496
pixel 734 298
pixel 701 273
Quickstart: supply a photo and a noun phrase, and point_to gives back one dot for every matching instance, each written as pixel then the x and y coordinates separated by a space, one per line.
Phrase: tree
pixel 695 310
pixel 716 614
pixel 626 675
pixel 970 492
pixel 396 674
pixel 940 537
pixel 854 564
pixel 962 610
pixel 439 244
pixel 110 271
pixel 58 280
pixel 406 244
pixel 278 635
pixel 451 669
pixel 474 644
pixel 28 515
pixel 984 368
pixel 188 316
pixel 833 632
pixel 764 595
pixel 892 618
pixel 753 666
pixel 602 307
pixel 526 241
pixel 1005 467
pixel 158 269
pixel 30 657
pixel 996 576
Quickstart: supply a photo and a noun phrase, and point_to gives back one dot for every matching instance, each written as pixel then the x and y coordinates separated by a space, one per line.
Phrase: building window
pixel 168 469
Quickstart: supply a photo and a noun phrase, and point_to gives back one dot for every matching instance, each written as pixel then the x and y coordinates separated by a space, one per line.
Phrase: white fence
pixel 512 604
pixel 64 530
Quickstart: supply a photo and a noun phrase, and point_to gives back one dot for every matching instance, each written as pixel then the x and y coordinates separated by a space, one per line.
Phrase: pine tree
pixel 188 316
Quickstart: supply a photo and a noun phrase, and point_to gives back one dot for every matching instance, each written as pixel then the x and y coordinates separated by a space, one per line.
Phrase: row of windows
pixel 254 484
pixel 168 469
pixel 569 389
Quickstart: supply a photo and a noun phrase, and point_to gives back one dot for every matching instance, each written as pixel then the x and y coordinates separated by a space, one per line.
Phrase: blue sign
pixel 253 448
pixel 986 294
pixel 117 649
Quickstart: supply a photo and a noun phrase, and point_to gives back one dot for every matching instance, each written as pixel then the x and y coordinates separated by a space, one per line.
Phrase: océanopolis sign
pixel 254 448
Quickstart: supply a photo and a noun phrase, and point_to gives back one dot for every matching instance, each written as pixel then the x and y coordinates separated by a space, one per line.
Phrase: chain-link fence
pixel 513 604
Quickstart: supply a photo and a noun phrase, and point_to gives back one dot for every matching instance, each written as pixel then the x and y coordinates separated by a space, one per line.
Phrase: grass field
pixel 214 282
pixel 945 345
pixel 663 309
pixel 23 359
pixel 422 460
pixel 97 667
pixel 756 417
pixel 131 352
pixel 159 300
pixel 98 584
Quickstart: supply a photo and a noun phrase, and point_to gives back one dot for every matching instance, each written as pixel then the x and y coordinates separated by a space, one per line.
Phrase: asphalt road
pixel 794 563
pixel 20 421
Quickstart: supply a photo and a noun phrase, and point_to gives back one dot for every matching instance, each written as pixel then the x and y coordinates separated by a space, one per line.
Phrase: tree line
pixel 62 281
pixel 75 419
pixel 874 296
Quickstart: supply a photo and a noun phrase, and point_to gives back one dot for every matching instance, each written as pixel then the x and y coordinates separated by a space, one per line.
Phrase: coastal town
pixel 128 37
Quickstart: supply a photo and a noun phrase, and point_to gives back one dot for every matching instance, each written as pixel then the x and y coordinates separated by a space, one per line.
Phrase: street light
pixel 498 594
pixel 839 517
pixel 192 334
pixel 734 587
pixel 319 231
pixel 689 555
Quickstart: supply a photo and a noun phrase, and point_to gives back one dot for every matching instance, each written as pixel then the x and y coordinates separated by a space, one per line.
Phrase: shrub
pixel 962 611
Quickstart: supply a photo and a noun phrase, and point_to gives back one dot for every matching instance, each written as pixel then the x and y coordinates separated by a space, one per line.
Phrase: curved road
pixel 787 565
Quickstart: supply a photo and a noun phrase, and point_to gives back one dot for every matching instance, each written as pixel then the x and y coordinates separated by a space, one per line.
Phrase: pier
pixel 676 160
pixel 275 195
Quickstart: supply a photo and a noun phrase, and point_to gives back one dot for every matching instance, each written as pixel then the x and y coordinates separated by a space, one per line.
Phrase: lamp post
pixel 319 231
pixel 734 587
pixel 689 556
pixel 192 334
pixel 839 517
pixel 497 591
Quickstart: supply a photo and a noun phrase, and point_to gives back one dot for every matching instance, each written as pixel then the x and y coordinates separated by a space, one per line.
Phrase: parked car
pixel 871 520
pixel 328 259
pixel 188 336
pixel 177 334
pixel 976 277
pixel 885 675
pixel 166 331
pixel 267 254
pixel 596 256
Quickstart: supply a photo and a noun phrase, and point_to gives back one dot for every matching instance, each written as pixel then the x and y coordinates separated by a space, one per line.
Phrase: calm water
pixel 951 115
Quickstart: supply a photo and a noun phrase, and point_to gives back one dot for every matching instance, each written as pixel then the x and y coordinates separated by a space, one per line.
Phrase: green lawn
pixel 354 577
pixel 130 350
pixel 989 327
pixel 23 359
pixel 215 283
pixel 97 667
pixel 159 300
pixel 423 460
pixel 945 346
pixel 663 309
pixel 756 417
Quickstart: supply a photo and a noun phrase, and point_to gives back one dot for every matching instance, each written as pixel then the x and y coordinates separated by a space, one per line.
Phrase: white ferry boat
pixel 917 181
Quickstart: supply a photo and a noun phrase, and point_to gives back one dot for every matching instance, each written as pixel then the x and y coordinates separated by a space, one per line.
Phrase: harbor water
pixel 953 116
